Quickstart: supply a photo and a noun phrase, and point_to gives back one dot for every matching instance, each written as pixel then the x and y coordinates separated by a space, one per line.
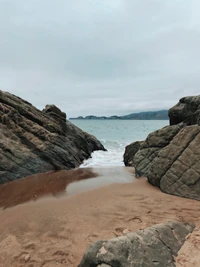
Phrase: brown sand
pixel 189 255
pixel 57 231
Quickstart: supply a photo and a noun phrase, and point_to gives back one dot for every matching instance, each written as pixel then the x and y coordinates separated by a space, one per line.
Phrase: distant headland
pixel 146 115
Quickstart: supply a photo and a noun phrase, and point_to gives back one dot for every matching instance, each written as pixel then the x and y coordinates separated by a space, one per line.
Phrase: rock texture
pixel 141 154
pixel 170 157
pixel 130 152
pixel 187 110
pixel 155 246
pixel 34 141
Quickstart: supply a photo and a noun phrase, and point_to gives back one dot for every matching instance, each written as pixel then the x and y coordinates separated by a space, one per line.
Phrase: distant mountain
pixel 146 115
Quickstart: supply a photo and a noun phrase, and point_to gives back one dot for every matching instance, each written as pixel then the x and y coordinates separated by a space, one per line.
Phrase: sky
pixel 100 57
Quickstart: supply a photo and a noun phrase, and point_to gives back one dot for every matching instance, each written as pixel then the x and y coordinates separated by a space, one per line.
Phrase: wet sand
pixel 56 231
pixel 61 184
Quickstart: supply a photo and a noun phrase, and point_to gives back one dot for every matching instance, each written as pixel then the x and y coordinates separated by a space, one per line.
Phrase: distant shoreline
pixel 146 115
pixel 73 119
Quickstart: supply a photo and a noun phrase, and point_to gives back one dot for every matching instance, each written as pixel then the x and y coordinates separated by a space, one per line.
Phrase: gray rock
pixel 34 141
pixel 176 169
pixel 187 110
pixel 154 246
pixel 130 152
pixel 169 157
pixel 150 148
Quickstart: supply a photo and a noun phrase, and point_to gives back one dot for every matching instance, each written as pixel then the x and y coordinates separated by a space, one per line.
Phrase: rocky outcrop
pixel 130 152
pixel 187 110
pixel 155 246
pixel 34 141
pixel 151 147
pixel 170 157
pixel 176 169
pixel 55 112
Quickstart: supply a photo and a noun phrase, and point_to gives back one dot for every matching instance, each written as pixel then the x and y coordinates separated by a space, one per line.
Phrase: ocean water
pixel 115 135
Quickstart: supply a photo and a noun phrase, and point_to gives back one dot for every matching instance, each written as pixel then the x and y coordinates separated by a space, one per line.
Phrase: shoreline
pixel 56 231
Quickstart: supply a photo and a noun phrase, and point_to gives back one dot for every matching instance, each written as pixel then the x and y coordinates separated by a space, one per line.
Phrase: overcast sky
pixel 100 57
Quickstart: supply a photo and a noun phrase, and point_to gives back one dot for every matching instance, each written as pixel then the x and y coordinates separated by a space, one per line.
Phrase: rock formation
pixel 170 157
pixel 34 141
pixel 130 152
pixel 187 110
pixel 155 246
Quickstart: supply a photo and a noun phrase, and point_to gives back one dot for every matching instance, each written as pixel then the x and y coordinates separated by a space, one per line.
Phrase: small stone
pixel 27 257
pixel 126 231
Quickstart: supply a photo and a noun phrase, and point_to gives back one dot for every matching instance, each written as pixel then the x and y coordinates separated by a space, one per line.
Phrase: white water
pixel 115 135
pixel 112 157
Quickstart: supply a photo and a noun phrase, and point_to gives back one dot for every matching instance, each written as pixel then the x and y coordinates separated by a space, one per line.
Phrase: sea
pixel 115 135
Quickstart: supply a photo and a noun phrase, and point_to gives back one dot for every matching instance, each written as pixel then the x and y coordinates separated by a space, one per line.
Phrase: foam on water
pixel 112 157
pixel 115 135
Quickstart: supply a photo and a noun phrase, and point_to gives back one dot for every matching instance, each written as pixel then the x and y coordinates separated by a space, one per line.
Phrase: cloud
pixel 100 57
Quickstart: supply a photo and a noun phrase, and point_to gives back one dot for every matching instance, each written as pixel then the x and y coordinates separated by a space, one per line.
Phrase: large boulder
pixel 34 141
pixel 155 246
pixel 187 110
pixel 176 169
pixel 169 157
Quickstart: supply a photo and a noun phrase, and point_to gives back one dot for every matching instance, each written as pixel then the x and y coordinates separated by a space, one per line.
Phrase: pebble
pixel 27 257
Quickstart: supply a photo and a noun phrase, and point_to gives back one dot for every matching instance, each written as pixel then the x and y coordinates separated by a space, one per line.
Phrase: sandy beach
pixel 55 230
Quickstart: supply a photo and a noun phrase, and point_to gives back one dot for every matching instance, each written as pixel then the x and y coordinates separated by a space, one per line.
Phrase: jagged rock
pixel 154 246
pixel 187 110
pixel 55 112
pixel 34 141
pixel 130 152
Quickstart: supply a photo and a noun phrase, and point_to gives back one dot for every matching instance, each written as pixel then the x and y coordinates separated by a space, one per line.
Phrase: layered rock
pixel 187 110
pixel 170 157
pixel 155 246
pixel 34 141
